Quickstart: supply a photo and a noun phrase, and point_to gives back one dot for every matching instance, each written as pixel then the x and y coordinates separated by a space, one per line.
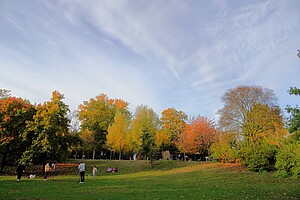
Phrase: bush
pixel 224 150
pixel 224 153
pixel 261 158
pixel 288 160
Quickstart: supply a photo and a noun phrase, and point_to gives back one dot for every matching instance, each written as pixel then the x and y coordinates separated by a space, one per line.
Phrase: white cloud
pixel 181 54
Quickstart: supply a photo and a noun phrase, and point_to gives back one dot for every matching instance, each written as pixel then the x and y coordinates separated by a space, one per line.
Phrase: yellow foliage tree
pixel 117 133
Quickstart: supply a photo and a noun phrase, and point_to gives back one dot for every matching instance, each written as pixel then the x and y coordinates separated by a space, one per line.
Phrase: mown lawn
pixel 168 180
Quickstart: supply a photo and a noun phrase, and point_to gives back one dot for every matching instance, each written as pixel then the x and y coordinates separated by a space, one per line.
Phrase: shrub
pixel 261 158
pixel 225 149
pixel 224 153
pixel 288 160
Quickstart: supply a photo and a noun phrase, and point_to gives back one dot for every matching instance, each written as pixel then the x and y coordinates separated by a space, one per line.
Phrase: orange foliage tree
pixel 15 113
pixel 198 136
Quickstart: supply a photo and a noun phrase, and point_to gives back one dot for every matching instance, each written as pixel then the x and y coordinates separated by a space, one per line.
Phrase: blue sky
pixel 160 53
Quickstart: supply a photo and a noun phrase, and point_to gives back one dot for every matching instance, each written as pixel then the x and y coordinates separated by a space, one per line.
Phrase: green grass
pixel 168 180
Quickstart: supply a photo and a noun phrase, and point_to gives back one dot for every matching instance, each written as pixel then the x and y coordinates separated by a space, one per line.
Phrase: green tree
pixel 288 157
pixel 294 119
pixel 145 126
pixel 50 125
pixel 15 113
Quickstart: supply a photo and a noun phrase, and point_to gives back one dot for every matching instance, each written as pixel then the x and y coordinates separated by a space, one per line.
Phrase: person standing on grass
pixel 20 169
pixel 53 169
pixel 94 171
pixel 47 171
pixel 81 169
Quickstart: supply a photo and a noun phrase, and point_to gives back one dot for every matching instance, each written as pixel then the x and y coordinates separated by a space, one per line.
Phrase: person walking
pixel 94 171
pixel 20 169
pixel 81 169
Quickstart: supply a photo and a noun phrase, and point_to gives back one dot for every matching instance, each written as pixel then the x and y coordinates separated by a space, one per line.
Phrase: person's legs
pixel 19 175
pixel 83 176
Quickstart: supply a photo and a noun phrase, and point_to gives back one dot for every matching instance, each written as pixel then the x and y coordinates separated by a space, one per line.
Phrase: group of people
pixel 109 169
pixel 81 170
pixel 50 168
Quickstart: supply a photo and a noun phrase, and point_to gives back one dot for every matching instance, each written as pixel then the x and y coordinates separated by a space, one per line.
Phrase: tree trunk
pixel 120 155
pixel 44 164
pixel 3 161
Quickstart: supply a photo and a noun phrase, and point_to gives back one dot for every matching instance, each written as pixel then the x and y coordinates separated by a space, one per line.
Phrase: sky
pixel 183 54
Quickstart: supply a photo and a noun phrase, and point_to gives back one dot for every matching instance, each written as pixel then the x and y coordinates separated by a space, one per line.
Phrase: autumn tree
pixel 75 132
pixel 118 133
pixel 144 128
pixel 173 123
pixel 205 133
pixel 198 136
pixel 185 143
pixel 263 133
pixel 4 93
pixel 50 125
pixel 225 148
pixel 263 124
pixel 97 114
pixel 15 113
pixel 88 142
pixel 162 139
pixel 238 101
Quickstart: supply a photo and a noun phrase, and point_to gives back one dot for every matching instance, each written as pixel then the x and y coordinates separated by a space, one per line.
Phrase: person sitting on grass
pixel 115 169
pixel 109 169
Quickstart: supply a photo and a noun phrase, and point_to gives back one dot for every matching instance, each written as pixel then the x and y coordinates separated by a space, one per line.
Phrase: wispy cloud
pixel 182 54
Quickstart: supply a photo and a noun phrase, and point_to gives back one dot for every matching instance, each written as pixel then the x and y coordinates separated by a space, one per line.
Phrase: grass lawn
pixel 168 180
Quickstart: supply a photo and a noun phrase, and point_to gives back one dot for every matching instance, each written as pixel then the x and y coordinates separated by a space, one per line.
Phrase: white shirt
pixel 81 167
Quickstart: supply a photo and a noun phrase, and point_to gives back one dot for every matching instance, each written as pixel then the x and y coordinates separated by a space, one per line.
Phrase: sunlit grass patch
pixel 168 180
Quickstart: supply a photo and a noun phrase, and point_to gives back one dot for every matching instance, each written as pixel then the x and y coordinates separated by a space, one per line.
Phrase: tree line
pixel 251 130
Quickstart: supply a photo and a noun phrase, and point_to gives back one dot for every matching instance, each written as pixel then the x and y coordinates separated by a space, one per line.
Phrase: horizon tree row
pixel 251 130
